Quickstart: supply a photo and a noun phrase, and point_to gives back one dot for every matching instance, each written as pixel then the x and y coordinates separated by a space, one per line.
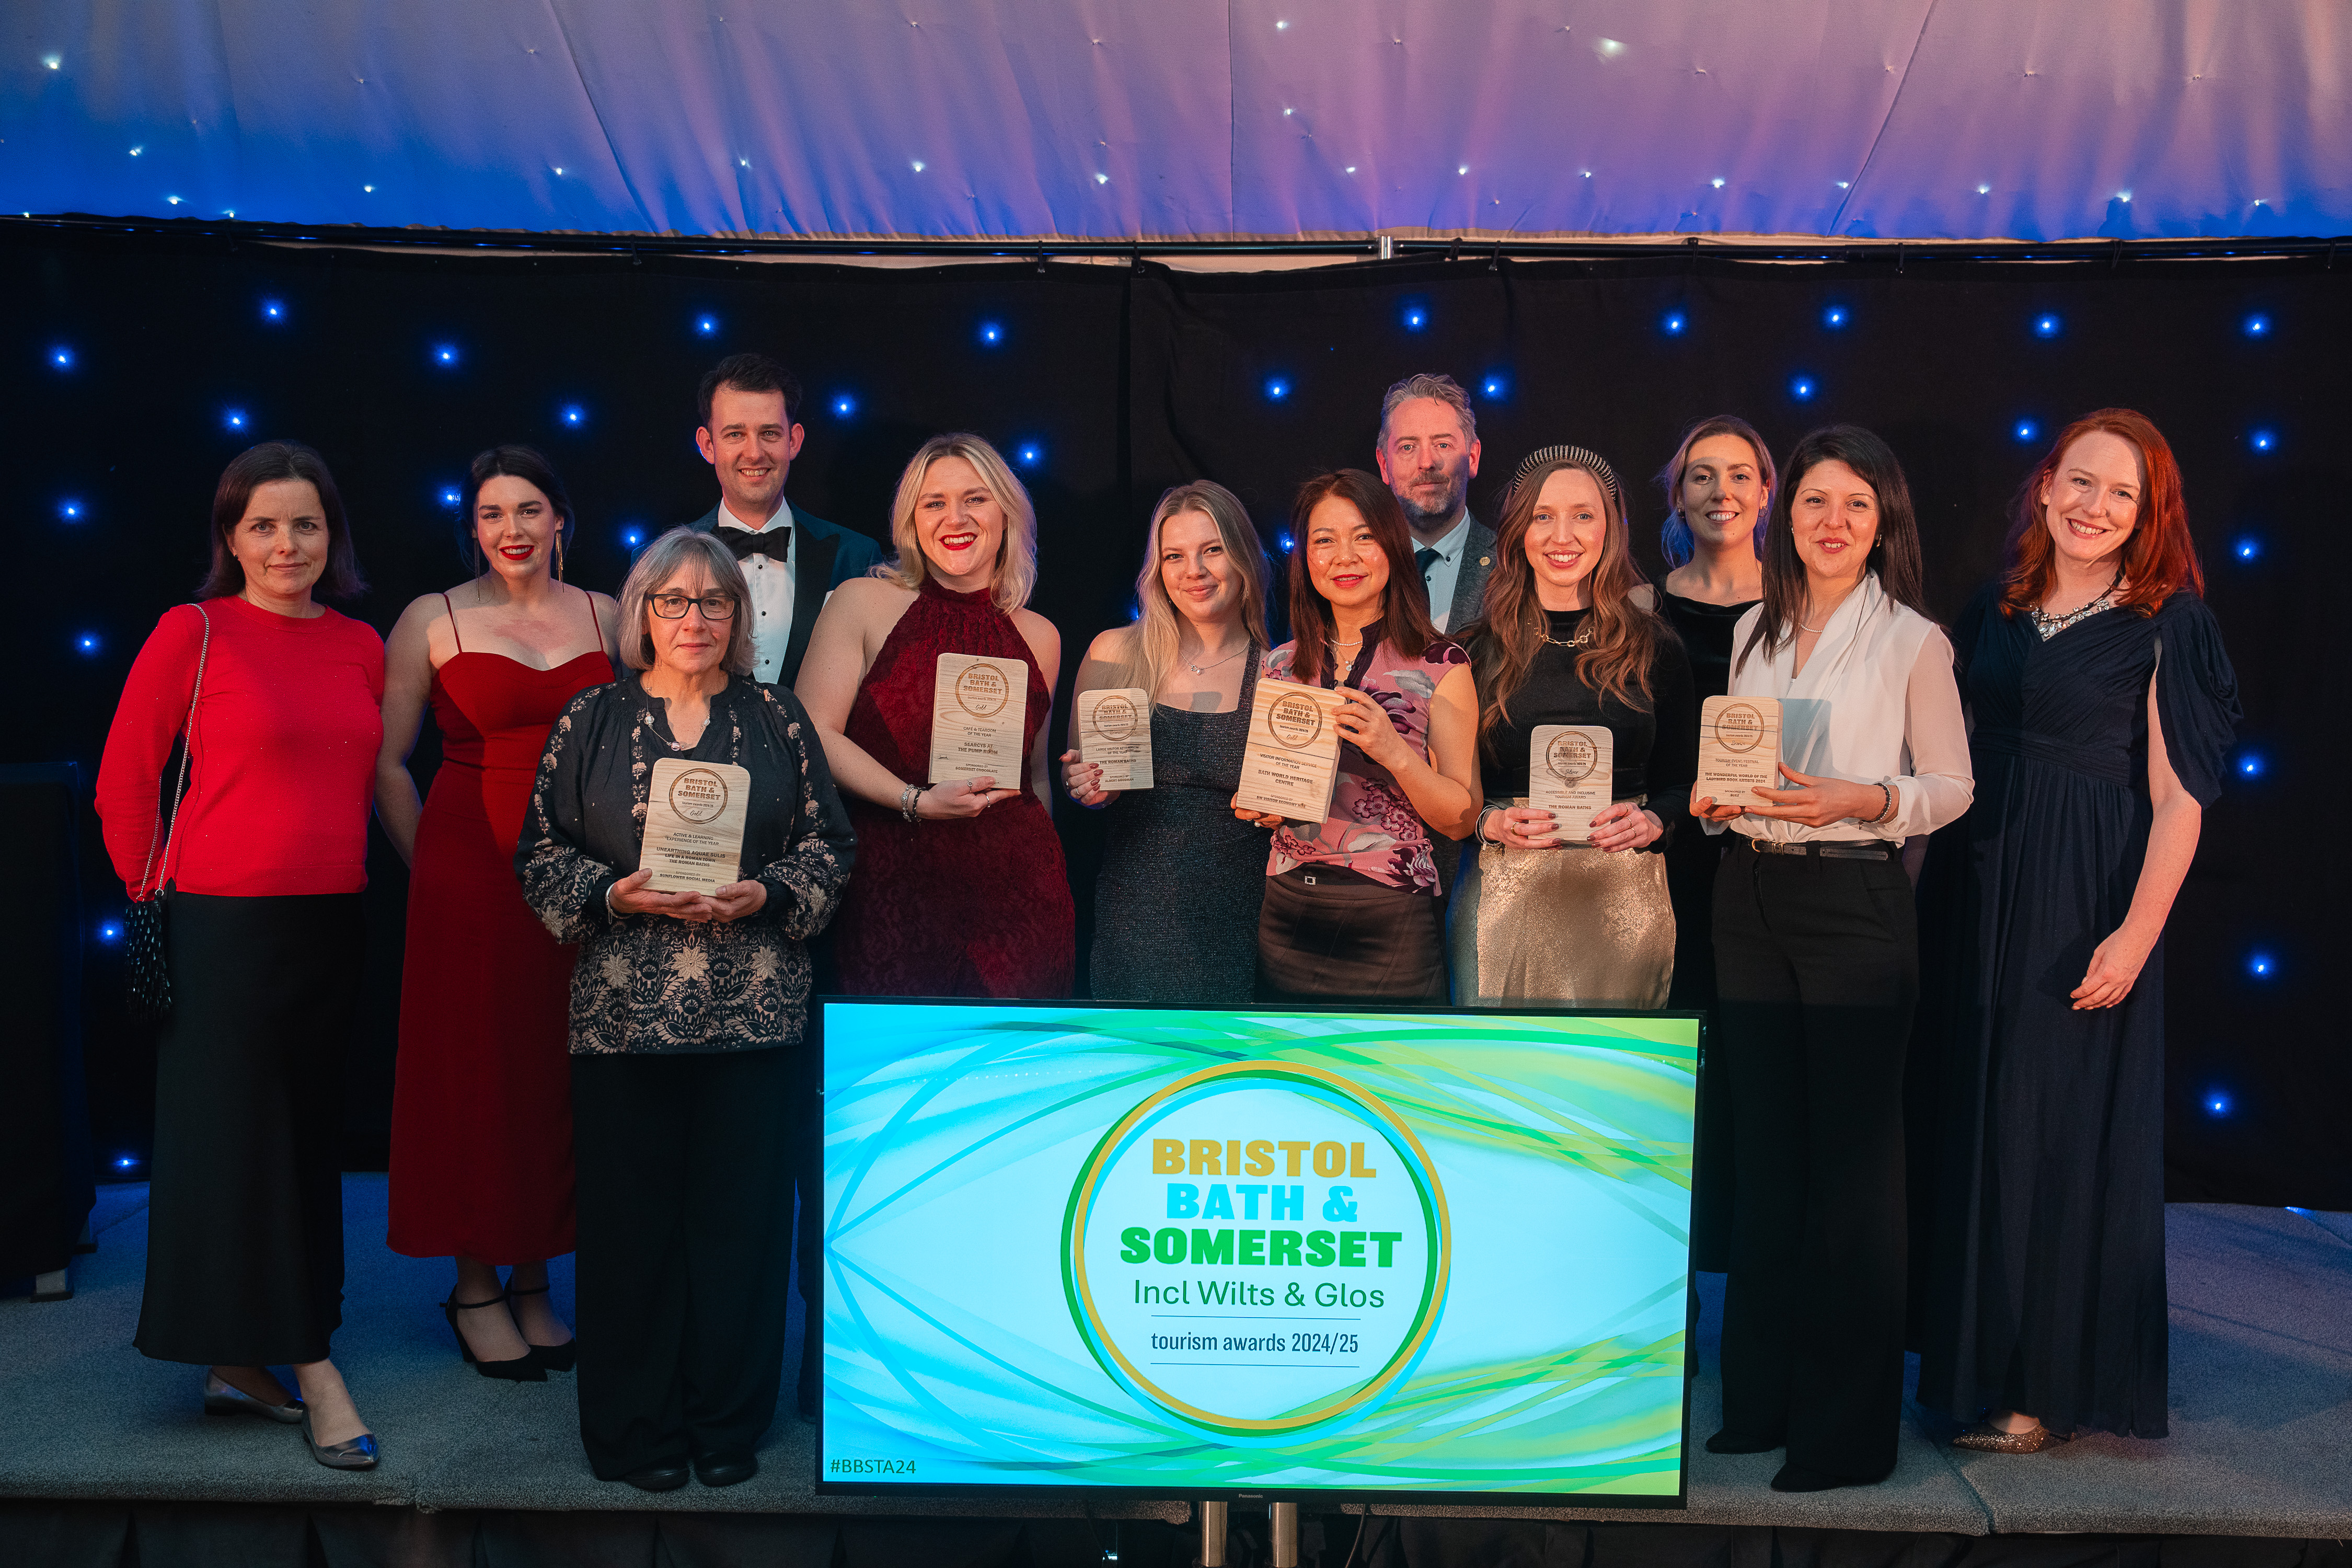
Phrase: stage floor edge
pixel 2261 1414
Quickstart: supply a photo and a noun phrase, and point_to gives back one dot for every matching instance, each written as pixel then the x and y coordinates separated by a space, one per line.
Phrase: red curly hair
pixel 2159 559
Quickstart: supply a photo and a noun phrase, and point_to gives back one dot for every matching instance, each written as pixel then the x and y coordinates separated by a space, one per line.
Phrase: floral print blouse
pixel 650 983
pixel 1373 830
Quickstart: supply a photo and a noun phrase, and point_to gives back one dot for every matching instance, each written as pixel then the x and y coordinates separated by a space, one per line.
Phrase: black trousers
pixel 1817 970
pixel 1346 939
pixel 685 1177
pixel 244 1233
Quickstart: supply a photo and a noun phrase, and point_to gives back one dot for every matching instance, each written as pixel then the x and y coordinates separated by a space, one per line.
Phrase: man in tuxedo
pixel 1429 454
pixel 751 432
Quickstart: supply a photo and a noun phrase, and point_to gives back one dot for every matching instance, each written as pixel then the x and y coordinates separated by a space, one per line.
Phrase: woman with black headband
pixel 1568 648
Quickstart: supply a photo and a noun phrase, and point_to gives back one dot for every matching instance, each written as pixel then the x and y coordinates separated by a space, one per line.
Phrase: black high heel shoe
pixel 552 1358
pixel 522 1369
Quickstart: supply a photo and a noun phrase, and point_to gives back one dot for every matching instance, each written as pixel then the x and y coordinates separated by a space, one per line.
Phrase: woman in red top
pixel 481 1108
pixel 262 867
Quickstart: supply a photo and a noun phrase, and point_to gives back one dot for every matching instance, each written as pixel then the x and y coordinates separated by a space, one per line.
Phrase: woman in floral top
pixel 1351 902
pixel 687 1012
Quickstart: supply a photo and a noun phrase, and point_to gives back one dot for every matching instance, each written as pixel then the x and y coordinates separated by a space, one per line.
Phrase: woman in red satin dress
pixel 481 1115
pixel 959 889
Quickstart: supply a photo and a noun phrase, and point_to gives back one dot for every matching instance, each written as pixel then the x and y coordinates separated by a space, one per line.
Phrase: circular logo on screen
pixel 1294 720
pixel 1114 718
pixel 1571 757
pixel 1258 1248
pixel 1738 727
pixel 698 796
pixel 982 690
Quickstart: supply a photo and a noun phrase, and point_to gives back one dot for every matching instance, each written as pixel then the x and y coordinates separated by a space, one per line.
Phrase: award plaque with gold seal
pixel 1291 759
pixel 1739 748
pixel 978 707
pixel 694 826
pixel 1569 768
pixel 1114 734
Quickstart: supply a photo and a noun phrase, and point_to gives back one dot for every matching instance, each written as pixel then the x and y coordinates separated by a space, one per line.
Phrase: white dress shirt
pixel 1876 703
pixel 1445 570
pixel 771 583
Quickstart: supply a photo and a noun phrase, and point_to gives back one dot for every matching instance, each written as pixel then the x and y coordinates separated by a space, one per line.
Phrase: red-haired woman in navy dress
pixel 2104 706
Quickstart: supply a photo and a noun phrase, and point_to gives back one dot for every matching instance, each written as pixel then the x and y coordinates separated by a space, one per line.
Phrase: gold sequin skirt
pixel 1572 927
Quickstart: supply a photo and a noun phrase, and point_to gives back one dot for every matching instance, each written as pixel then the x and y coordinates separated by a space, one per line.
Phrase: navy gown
pixel 2043 1274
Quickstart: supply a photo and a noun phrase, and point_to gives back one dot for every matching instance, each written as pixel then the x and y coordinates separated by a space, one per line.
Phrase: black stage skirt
pixel 1346 938
pixel 244 1244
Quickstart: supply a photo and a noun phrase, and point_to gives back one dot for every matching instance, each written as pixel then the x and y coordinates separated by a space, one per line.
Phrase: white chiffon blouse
pixel 1875 704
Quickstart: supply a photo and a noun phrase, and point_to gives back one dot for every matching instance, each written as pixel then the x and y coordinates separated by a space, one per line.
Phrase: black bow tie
pixel 775 543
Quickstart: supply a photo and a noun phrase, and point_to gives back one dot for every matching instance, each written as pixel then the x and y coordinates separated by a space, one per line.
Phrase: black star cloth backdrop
pixel 136 365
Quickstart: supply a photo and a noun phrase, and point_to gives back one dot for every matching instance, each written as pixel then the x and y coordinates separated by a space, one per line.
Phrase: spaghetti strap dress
pixel 481 1109
pixel 977 907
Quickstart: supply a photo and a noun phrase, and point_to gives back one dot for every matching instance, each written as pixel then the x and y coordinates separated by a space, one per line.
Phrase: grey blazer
pixel 1470 580
pixel 827 556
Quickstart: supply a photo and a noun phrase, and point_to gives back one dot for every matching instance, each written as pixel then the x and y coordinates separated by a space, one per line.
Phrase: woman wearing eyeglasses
pixel 687 1012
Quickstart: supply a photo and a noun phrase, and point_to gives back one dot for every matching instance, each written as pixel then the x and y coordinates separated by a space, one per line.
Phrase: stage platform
pixel 2262 1444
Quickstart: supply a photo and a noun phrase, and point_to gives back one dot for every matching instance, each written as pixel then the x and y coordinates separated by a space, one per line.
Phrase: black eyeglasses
pixel 672 606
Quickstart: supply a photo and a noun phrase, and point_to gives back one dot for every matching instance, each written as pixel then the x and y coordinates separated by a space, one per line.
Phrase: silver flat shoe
pixel 227 1399
pixel 357 1454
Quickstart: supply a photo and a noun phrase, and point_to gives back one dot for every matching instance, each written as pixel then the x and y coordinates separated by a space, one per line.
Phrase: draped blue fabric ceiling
pixel 2030 119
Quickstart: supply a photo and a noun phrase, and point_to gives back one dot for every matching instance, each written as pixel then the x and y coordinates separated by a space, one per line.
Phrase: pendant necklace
pixel 1205 669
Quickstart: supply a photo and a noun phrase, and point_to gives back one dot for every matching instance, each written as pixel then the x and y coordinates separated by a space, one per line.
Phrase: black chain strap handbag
pixel 147 978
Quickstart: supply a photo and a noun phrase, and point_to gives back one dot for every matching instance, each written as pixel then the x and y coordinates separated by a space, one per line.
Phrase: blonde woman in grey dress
pixel 1176 903
pixel 1569 637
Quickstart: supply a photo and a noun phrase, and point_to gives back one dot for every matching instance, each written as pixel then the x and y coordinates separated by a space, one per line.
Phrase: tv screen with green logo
pixel 1193 1253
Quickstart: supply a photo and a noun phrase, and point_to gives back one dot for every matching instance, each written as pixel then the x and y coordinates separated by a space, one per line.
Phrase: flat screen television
pixel 1200 1253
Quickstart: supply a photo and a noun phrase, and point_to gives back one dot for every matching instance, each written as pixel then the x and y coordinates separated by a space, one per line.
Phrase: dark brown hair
pixel 1504 643
pixel 2159 559
pixel 524 463
pixel 1674 534
pixel 748 372
pixel 267 464
pixel 1894 553
pixel 1404 605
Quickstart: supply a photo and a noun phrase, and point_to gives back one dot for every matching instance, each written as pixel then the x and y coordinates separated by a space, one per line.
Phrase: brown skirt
pixel 1572 927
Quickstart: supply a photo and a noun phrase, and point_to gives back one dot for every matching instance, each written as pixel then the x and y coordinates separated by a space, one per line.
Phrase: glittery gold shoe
pixel 1986 1438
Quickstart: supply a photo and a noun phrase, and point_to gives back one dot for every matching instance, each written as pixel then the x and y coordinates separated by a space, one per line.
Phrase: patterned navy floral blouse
pixel 650 983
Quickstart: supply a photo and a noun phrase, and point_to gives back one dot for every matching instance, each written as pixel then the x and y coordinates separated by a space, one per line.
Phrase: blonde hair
pixel 1148 651
pixel 655 566
pixel 1016 556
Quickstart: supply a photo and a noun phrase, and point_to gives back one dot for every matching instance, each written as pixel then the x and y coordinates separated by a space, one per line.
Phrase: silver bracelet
pixel 910 800
pixel 1478 828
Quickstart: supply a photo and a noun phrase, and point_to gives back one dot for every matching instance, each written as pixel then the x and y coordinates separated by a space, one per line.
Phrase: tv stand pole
pixel 1213 1535
pixel 1285 1534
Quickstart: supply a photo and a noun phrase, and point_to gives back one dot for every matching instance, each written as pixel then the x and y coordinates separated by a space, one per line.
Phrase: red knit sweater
pixel 283 766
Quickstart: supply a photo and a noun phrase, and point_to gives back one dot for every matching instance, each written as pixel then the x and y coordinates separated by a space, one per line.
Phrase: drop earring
pixel 558 555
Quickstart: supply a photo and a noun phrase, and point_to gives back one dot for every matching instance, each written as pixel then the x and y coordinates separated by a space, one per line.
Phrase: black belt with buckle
pixel 1829 848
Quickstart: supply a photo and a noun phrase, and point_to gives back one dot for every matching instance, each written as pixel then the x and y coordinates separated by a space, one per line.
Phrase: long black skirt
pixel 245 1239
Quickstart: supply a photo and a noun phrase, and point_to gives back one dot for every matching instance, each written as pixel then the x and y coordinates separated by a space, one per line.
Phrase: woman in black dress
pixel 1177 900
pixel 1581 920
pixel 2103 705
pixel 1719 494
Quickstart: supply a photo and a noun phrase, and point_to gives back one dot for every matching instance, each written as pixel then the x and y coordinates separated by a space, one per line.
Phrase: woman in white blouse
pixel 1818 963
